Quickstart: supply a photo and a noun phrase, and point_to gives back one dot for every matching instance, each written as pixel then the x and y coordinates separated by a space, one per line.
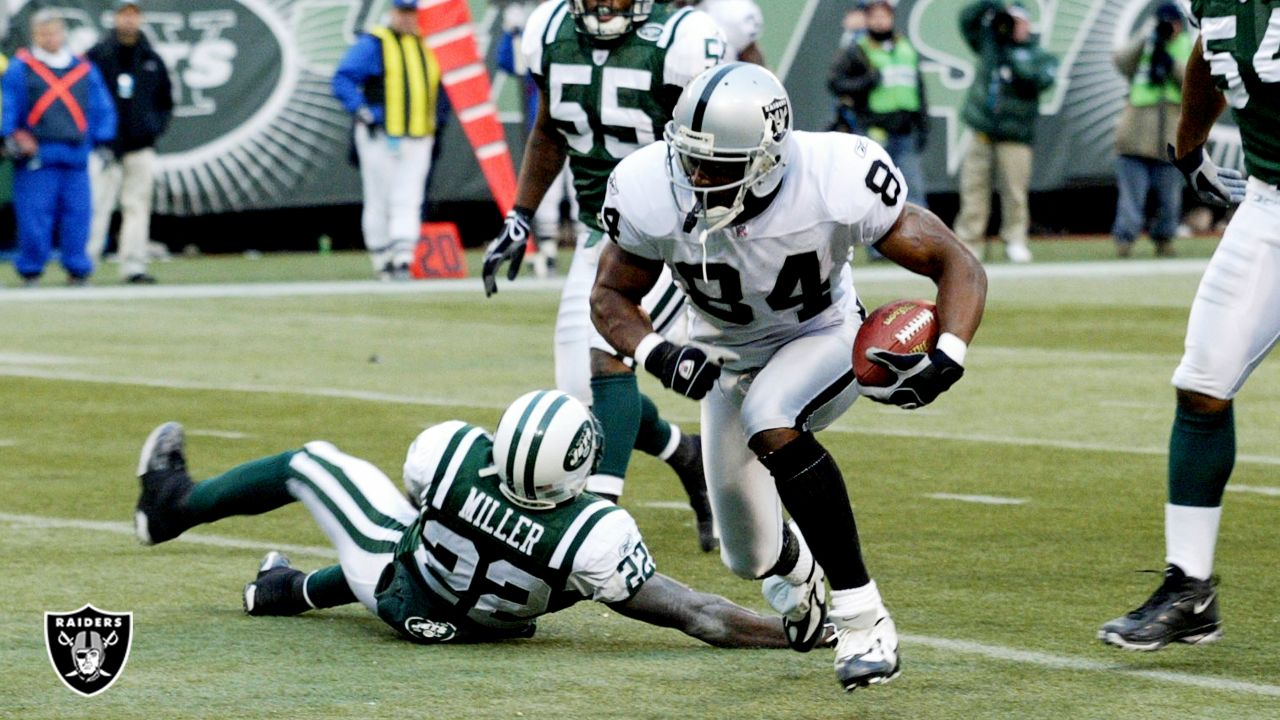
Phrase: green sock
pixel 615 400
pixel 655 432
pixel 327 587
pixel 1202 453
pixel 249 489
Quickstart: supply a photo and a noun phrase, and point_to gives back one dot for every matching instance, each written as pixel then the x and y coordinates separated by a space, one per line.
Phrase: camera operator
pixel 1153 62
pixel 1001 109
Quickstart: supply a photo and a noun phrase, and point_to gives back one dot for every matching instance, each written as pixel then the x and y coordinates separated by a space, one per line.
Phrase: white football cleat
pixel 866 649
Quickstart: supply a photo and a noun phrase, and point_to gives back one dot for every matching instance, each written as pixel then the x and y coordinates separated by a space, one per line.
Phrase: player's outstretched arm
pixel 923 244
pixel 622 279
pixel 710 618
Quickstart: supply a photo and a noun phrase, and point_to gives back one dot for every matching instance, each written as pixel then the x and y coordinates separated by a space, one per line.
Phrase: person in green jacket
pixel 1001 109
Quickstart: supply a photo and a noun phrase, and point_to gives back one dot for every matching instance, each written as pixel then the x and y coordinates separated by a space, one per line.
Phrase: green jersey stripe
pixel 583 534
pixel 570 534
pixel 365 542
pixel 515 441
pixel 459 447
pixel 531 457
pixel 375 516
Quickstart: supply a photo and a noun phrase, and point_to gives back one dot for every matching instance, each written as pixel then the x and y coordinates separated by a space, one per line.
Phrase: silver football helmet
pixel 729 131
pixel 546 447
pixel 619 22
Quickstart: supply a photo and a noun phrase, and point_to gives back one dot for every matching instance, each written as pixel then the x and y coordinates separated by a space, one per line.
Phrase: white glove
pixel 1214 185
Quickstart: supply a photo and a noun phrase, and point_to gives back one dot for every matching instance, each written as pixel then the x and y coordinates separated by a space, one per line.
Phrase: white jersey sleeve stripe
pixel 566 540
pixel 669 29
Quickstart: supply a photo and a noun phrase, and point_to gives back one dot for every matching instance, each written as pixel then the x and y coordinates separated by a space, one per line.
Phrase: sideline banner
pixel 255 124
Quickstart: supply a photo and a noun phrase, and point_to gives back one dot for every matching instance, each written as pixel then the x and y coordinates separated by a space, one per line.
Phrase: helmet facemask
pixel 606 23
pixel 719 178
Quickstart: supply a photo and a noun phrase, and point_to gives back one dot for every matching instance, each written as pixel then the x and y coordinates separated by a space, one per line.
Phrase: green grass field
pixel 1066 406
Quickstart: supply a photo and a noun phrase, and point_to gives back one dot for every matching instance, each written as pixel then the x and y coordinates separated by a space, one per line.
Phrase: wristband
pixel 646 346
pixel 953 347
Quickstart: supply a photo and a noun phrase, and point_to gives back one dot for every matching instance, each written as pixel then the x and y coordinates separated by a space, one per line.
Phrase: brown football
pixel 903 326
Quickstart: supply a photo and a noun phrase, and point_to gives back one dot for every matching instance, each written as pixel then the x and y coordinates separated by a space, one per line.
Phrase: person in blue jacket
pixel 56 111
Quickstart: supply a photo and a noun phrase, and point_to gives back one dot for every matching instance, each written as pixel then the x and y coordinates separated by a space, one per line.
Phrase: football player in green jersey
pixel 495 533
pixel 608 73
pixel 1234 321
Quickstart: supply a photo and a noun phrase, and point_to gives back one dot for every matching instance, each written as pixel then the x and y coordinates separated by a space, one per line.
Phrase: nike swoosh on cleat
pixel 1202 606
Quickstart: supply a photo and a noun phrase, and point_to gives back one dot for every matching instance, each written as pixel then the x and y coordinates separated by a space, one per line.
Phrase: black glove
pixel 1213 185
pixel 683 368
pixel 509 245
pixel 921 378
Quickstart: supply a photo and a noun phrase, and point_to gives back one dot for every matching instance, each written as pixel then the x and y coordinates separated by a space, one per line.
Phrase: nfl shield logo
pixel 88 647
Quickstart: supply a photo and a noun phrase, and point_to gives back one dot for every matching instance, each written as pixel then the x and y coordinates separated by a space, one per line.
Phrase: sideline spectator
pixel 139 82
pixel 389 81
pixel 56 111
pixel 1001 108
pixel 1153 61
pixel 878 78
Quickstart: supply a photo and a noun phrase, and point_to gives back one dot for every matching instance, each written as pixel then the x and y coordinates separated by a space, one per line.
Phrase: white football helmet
pixel 546 446
pixel 621 20
pixel 730 129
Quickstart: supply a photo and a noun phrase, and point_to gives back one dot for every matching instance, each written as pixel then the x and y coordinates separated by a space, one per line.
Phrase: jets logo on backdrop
pixel 88 648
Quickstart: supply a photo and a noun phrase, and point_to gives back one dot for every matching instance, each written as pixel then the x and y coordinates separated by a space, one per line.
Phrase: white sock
pixel 857 608
pixel 1190 535
pixel 673 442
pixel 607 484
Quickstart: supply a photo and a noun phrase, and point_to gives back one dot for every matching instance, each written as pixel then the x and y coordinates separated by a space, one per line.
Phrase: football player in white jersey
pixel 758 222
pixel 495 532
pixel 608 73
pixel 742 24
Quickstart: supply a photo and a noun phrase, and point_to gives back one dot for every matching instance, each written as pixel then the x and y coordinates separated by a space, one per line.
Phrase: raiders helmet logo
pixel 777 118
pixel 88 648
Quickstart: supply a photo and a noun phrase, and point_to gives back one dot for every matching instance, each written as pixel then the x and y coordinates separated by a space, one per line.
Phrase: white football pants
pixel 359 509
pixel 393 173
pixel 1235 318
pixel 128 182
pixel 806 385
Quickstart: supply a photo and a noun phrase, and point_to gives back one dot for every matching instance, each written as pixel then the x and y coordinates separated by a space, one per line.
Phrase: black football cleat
pixel 687 463
pixel 277 589
pixel 165 484
pixel 1183 609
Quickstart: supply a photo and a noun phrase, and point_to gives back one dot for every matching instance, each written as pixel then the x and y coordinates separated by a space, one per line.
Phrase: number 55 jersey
pixel 476 566
pixel 780 275
pixel 609 99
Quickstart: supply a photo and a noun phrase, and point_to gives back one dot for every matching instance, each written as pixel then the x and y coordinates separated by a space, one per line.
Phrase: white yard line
pixel 960 647
pixel 861 275
pixel 124 528
pixel 1255 490
pixel 428 401
pixel 1066 662
pixel 979 499
pixel 667 505
pixel 221 434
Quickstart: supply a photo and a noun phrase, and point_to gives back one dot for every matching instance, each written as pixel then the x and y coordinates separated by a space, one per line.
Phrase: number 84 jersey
pixel 780 275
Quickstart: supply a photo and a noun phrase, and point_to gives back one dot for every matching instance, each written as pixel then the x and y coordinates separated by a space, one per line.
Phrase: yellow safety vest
pixel 411 77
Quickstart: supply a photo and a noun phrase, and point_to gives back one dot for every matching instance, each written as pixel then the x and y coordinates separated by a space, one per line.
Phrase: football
pixel 903 326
